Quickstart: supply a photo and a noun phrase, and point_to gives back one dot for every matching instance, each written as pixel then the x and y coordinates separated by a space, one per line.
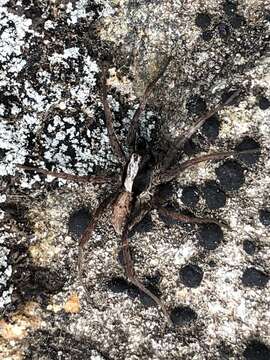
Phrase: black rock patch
pixel 254 278
pixel 78 222
pixel 264 216
pixel 256 350
pixel 190 196
pixel 183 315
pixel 215 198
pixel 196 105
pixel 230 175
pixel 203 20
pixel 210 128
pixel 263 103
pixel 210 236
pixel 249 247
pixel 248 144
pixel 191 275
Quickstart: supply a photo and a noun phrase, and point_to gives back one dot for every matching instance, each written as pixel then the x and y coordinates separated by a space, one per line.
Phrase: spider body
pixel 140 188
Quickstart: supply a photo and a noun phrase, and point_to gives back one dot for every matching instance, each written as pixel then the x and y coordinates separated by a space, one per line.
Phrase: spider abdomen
pixel 121 210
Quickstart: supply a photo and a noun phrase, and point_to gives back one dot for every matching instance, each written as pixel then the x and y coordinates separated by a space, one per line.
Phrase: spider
pixel 142 175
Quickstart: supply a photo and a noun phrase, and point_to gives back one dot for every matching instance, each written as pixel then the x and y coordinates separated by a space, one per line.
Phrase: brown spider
pixel 130 203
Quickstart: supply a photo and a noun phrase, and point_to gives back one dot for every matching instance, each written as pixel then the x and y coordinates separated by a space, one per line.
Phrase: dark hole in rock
pixel 210 236
pixel 211 127
pixel 264 103
pixel 145 225
pixel 207 35
pixel 230 175
pixel 191 275
pixel 203 20
pixel 78 222
pixel 190 196
pixel 183 315
pixel 254 278
pixel 248 144
pixel 223 30
pixel 256 350
pixel 249 247
pixel 196 105
pixel 215 198
pixel 264 216
pixel 118 285
pixel 237 21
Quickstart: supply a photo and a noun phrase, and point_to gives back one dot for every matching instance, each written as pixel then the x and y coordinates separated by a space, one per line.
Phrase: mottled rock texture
pixel 51 116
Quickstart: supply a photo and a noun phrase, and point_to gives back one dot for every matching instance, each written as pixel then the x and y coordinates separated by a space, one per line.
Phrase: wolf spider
pixel 132 200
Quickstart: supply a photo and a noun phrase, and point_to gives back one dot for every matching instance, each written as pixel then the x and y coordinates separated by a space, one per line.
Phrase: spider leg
pixel 116 147
pixel 149 88
pixel 175 171
pixel 180 141
pixel 187 219
pixel 130 273
pixel 63 175
pixel 88 232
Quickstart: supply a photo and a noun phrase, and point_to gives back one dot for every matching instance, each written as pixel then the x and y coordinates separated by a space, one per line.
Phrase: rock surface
pixel 52 117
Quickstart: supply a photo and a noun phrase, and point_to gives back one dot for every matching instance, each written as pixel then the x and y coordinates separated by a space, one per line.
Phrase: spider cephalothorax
pixel 137 190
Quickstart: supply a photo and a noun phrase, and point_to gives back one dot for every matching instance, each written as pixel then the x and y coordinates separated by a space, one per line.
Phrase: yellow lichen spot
pixel 43 252
pixel 73 304
pixel 21 322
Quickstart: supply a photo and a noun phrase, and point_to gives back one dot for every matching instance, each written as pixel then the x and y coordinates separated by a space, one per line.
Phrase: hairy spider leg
pixel 63 175
pixel 149 88
pixel 180 141
pixel 115 144
pixel 187 219
pixel 130 273
pixel 175 171
pixel 103 206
